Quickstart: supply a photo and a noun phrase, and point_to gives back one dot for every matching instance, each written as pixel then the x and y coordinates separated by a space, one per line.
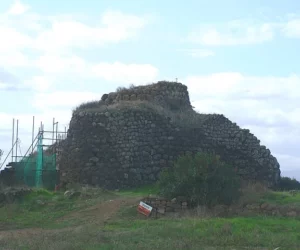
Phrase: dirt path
pixel 97 215
pixel 100 213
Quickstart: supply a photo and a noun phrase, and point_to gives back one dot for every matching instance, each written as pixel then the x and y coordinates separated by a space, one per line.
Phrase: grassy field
pixel 281 198
pixel 41 208
pixel 108 220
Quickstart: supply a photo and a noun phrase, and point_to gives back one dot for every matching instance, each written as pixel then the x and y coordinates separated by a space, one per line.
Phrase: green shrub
pixel 286 184
pixel 87 105
pixel 201 178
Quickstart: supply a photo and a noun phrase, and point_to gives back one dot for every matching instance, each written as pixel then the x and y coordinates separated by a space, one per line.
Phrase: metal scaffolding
pixel 44 149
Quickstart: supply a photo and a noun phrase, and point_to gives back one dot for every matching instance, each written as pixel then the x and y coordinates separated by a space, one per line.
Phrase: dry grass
pixel 252 193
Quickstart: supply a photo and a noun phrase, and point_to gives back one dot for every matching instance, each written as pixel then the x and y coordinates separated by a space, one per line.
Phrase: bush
pixel 87 105
pixel 286 184
pixel 203 179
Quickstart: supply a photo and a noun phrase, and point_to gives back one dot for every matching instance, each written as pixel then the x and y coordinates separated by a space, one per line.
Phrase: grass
pixel 41 209
pixel 141 191
pixel 258 194
pixel 266 196
pixel 192 233
pixel 281 198
pixel 215 233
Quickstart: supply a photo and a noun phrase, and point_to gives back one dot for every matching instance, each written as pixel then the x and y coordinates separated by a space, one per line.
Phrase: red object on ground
pixel 144 209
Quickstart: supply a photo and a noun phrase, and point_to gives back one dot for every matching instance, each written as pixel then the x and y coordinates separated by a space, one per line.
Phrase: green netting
pixel 34 172
pixel 38 169
pixel 39 162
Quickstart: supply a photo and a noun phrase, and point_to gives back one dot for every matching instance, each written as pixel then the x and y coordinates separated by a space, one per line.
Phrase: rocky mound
pixel 127 137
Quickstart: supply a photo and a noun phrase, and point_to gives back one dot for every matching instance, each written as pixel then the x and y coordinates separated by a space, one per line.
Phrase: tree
pixel 287 183
pixel 203 179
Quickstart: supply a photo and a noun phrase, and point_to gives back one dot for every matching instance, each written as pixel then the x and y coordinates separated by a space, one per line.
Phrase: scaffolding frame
pixel 53 141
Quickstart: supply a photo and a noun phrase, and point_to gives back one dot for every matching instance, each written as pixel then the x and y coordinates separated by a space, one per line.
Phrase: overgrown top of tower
pixel 170 95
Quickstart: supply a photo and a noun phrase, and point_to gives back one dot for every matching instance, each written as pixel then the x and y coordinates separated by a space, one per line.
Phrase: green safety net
pixel 37 169
pixel 39 162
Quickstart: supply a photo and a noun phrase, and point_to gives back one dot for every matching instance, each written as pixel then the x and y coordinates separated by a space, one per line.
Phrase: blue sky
pixel 239 58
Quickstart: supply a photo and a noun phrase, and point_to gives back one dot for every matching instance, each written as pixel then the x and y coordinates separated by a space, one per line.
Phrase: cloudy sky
pixel 237 57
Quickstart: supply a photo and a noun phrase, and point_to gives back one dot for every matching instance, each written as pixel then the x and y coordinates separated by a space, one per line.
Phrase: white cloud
pixel 198 53
pixel 13 59
pixel 18 8
pixel 11 39
pixel 56 34
pixel 49 43
pixel 120 20
pixel 235 85
pixel 3 85
pixel 244 32
pixel 53 63
pixel 9 81
pixel 117 71
pixel 63 99
pixel 39 83
pixel 292 29
pixel 114 27
pixel 213 85
pixel 233 33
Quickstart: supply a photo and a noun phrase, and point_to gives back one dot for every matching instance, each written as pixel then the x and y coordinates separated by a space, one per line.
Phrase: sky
pixel 238 58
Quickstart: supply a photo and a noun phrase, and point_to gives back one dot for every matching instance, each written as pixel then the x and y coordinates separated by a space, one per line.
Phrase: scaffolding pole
pixel 13 140
pixel 17 140
pixel 53 128
pixel 32 135
pixel 56 132
pixel 56 144
pixel 39 162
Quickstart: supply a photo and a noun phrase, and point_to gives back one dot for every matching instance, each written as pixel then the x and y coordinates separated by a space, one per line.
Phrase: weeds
pixel 42 208
pixel 203 179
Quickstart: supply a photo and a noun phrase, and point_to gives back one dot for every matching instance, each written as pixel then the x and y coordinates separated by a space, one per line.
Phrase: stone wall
pixel 162 206
pixel 180 206
pixel 251 158
pixel 165 94
pixel 126 139
pixel 7 177
pixel 10 195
